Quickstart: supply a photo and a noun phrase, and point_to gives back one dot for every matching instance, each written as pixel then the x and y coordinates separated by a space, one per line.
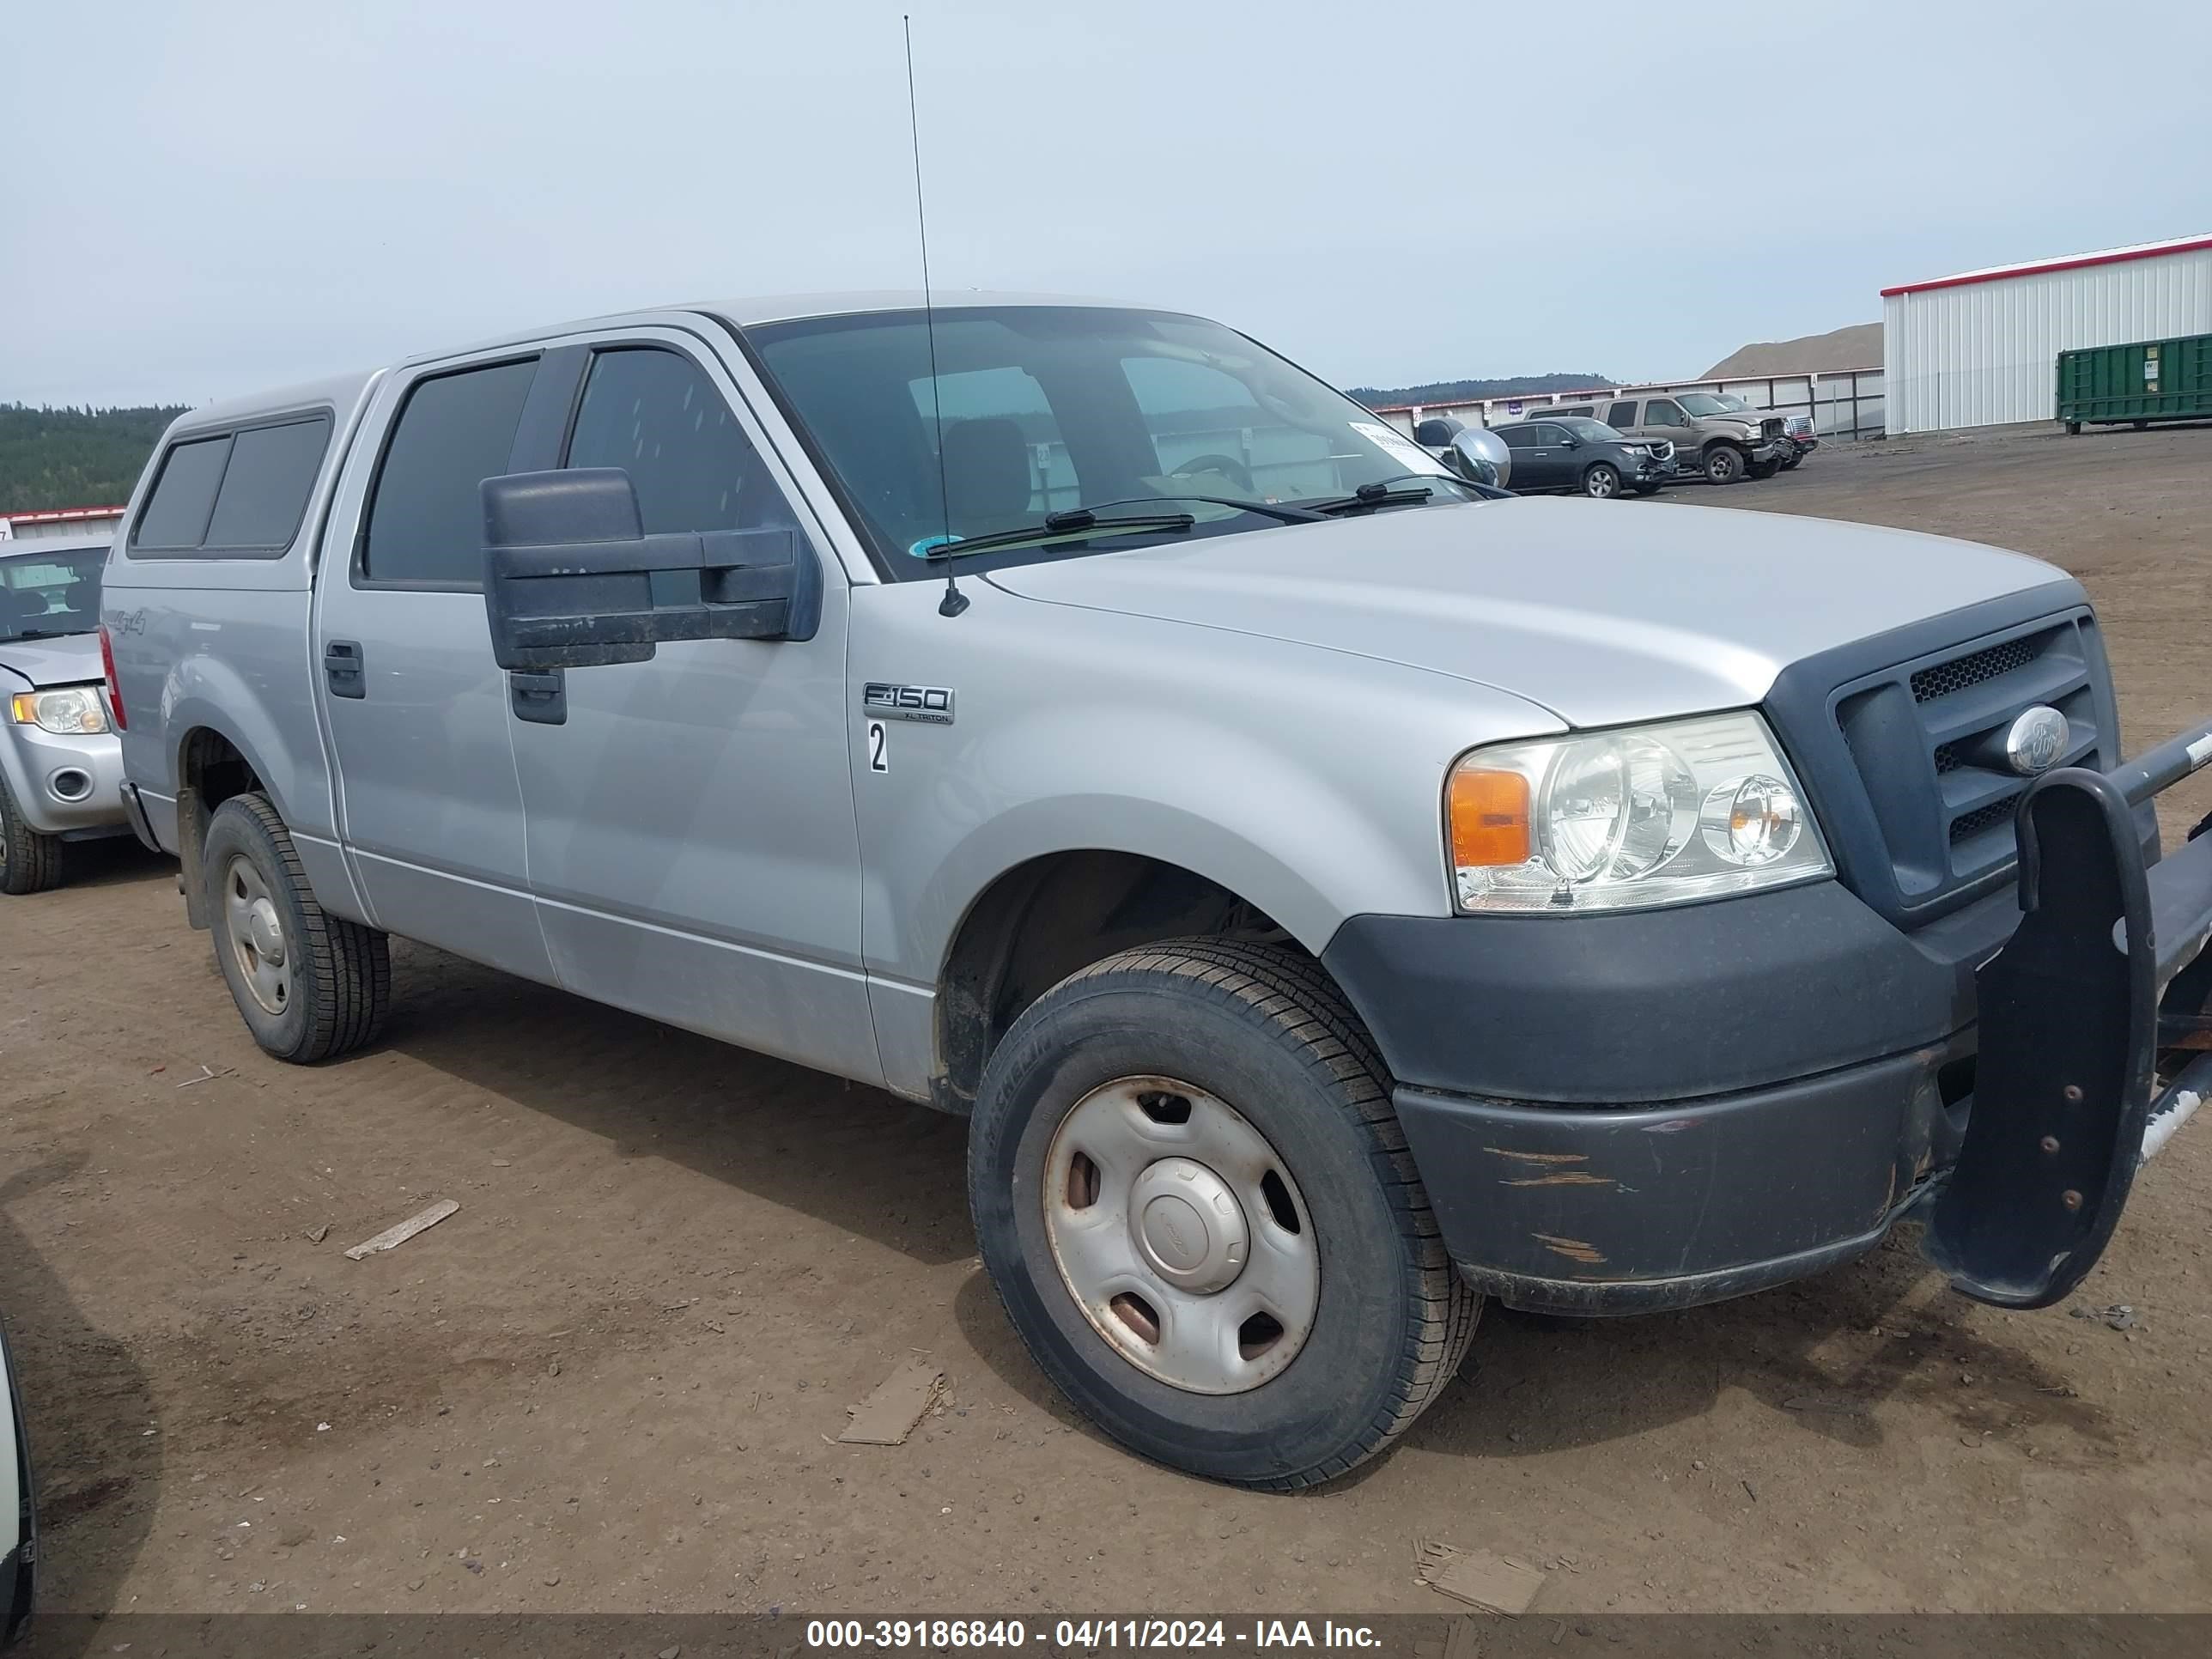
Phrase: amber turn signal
pixel 1488 812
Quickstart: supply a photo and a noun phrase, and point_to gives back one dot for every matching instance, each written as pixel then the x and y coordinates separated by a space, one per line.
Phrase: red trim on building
pixel 62 514
pixel 2119 257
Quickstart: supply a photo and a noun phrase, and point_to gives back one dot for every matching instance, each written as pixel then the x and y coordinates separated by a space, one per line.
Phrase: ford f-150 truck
pixel 1332 895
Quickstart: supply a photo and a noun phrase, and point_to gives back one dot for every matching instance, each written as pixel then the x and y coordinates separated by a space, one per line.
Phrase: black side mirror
pixel 572 581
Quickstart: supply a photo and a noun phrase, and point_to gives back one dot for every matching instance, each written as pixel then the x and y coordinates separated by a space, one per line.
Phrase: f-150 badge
pixel 930 704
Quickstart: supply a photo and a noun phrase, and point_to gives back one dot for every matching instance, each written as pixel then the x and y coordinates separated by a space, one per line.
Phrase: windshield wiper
pixel 1074 522
pixel 52 632
pixel 1379 494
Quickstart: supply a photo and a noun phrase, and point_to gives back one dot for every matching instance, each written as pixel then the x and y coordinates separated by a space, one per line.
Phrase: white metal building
pixel 57 521
pixel 1981 348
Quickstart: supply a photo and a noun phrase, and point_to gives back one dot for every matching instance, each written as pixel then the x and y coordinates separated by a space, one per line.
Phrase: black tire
pixel 1764 470
pixel 30 861
pixel 339 988
pixel 1601 481
pixel 1646 488
pixel 1789 461
pixel 1723 463
pixel 2073 429
pixel 1263 1028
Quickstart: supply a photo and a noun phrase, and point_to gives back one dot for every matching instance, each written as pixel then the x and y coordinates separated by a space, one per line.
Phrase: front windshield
pixel 1593 432
pixel 1704 403
pixel 44 596
pixel 1049 409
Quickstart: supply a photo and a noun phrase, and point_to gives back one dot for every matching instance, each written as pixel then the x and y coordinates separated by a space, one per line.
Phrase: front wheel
pixel 309 985
pixel 1647 490
pixel 30 862
pixel 1197 1206
pixel 1767 469
pixel 1789 461
pixel 1723 465
pixel 1602 482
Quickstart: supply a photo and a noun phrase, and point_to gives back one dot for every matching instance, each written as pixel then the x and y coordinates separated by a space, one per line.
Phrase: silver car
pixel 1332 894
pixel 61 767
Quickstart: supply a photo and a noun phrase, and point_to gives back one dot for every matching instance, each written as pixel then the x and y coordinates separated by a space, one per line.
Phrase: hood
pixel 1602 611
pixel 70 661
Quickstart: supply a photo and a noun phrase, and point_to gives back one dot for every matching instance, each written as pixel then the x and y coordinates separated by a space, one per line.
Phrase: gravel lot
pixel 613 1381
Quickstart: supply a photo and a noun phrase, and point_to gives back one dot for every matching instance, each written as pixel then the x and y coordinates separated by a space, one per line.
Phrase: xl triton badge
pixel 930 704
pixel 2036 741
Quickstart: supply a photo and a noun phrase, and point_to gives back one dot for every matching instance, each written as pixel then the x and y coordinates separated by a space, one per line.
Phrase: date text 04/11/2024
pixel 1084 1635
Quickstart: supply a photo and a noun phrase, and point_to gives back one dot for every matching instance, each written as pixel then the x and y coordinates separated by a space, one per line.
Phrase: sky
pixel 205 197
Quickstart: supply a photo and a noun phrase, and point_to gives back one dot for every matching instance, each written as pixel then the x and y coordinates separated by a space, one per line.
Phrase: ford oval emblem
pixel 2036 741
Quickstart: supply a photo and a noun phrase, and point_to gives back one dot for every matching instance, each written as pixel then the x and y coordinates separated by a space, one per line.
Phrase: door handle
pixel 541 698
pixel 342 669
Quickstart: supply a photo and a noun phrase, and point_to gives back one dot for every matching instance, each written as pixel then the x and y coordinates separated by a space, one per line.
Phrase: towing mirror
pixel 572 581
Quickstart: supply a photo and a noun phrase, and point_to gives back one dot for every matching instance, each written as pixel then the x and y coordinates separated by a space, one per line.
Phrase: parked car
pixel 19 1510
pixel 1587 458
pixel 1330 904
pixel 1700 434
pixel 61 768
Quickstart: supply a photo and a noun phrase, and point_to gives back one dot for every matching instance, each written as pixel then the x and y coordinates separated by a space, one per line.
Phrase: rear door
pixel 692 839
pixel 430 807
pixel 1621 418
pixel 1541 464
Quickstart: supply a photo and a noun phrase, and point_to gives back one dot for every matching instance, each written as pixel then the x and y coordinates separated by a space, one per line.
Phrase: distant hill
pixel 74 456
pixel 1858 346
pixel 1467 392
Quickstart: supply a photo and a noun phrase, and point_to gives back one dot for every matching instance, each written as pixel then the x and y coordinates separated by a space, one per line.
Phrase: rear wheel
pixel 1724 464
pixel 30 862
pixel 1602 482
pixel 309 985
pixel 1198 1209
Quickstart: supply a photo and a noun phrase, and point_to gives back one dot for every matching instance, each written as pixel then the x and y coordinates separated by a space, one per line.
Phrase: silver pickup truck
pixel 1332 895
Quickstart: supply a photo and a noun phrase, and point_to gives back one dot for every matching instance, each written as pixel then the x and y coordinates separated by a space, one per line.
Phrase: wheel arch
pixel 1053 914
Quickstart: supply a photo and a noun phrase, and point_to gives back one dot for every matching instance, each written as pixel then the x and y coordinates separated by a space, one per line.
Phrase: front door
pixel 1545 460
pixel 692 838
pixel 1665 421
pixel 415 709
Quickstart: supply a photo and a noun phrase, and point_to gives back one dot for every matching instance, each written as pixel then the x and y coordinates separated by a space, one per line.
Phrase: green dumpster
pixel 2149 380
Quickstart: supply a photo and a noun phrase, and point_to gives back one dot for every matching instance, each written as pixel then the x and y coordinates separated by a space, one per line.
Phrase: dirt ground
pixel 613 1381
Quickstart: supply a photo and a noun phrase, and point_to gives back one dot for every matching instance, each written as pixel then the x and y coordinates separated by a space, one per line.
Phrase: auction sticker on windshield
pixel 1400 448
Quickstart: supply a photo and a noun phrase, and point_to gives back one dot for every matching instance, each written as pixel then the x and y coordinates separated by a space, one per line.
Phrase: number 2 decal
pixel 879 758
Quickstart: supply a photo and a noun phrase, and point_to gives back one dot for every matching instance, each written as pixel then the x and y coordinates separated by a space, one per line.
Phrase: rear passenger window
pixel 426 519
pixel 266 486
pixel 240 495
pixel 655 414
pixel 1621 415
pixel 176 515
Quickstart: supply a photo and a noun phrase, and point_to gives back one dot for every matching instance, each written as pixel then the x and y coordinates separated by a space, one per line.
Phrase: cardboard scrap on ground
pixel 887 1416
pixel 401 1232
pixel 1496 1583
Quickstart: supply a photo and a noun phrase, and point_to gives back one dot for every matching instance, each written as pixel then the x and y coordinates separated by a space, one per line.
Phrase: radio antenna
pixel 954 601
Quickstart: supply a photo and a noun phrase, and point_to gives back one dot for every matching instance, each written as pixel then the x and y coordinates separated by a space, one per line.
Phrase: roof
pixel 2111 256
pixel 339 392
pixel 62 514
pixel 44 546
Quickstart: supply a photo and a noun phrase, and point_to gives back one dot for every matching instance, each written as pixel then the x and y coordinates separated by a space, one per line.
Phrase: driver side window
pixel 1665 412
pixel 1208 422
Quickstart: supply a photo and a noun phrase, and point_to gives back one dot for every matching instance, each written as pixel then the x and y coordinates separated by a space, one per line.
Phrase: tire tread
pixel 349 966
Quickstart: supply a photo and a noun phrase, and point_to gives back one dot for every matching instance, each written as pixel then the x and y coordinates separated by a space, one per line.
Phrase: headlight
pixel 1627 819
pixel 75 710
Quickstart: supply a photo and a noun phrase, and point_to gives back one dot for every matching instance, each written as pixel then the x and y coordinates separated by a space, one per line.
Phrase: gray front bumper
pixel 38 764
